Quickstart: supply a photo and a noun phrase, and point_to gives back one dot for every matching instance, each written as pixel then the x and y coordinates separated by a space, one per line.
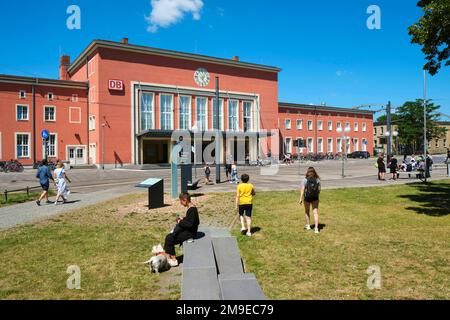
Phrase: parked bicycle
pixel 12 166
pixel 51 165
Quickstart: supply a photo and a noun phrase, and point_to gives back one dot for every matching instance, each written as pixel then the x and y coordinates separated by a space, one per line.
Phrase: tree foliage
pixel 411 123
pixel 383 118
pixel 432 32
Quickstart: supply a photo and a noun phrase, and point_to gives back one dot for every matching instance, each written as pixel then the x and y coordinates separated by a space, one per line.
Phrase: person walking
pixel 185 229
pixel 207 174
pixel 234 174
pixel 244 203
pixel 381 168
pixel 61 179
pixel 309 196
pixel 44 175
pixel 228 167
pixel 393 166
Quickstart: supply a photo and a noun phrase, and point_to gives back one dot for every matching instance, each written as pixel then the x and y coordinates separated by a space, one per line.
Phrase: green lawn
pixel 403 229
pixel 15 198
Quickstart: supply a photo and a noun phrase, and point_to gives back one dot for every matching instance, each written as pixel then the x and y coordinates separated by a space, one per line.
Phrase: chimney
pixel 235 58
pixel 125 40
pixel 63 67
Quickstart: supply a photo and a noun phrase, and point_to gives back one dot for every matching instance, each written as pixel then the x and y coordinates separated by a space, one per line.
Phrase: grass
pixel 15 198
pixel 403 229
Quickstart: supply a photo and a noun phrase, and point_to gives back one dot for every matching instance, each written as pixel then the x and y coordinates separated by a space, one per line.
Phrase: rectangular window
pixel 364 127
pixel 364 145
pixel 52 146
pixel 22 94
pixel 299 124
pixel 375 131
pixel 92 123
pixel 288 146
pixel 287 124
pixel 22 145
pixel 93 153
pixel 356 127
pixel 166 106
pixel 310 145
pixel 147 111
pixel 339 145
pixel 338 125
pixel 50 96
pixel 247 112
pixel 217 111
pixel 320 145
pixel 202 114
pixel 330 145
pixel 49 113
pixel 184 105
pixel 356 144
pixel 320 125
pixel 347 126
pixel 330 126
pixel 22 113
pixel 310 125
pixel 382 131
pixel 233 120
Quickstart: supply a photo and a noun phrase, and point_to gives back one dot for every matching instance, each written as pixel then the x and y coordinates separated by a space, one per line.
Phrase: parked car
pixel 359 155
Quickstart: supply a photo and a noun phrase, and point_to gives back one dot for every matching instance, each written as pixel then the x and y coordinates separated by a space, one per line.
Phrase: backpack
pixel 208 170
pixel 312 188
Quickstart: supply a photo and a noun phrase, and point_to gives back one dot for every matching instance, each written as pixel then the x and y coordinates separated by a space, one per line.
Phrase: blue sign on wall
pixel 45 134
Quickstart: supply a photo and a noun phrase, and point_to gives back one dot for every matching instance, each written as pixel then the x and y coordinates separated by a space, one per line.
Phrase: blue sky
pixel 324 47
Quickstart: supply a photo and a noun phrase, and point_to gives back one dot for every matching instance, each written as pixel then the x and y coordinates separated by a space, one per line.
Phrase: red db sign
pixel 116 85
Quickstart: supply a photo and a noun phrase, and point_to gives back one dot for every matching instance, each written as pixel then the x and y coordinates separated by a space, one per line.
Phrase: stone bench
pixel 240 287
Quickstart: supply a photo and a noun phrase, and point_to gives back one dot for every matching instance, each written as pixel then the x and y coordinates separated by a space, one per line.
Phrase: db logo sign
pixel 116 85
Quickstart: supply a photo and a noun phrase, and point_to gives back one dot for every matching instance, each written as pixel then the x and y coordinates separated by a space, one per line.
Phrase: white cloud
pixel 168 12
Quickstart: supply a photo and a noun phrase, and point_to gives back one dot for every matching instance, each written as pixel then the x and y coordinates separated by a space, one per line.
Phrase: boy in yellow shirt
pixel 244 203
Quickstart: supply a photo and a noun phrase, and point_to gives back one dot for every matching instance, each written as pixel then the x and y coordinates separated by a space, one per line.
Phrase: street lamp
pixel 195 129
pixel 389 135
pixel 344 137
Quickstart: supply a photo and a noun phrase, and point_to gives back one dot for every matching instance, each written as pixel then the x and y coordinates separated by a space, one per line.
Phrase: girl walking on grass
pixel 309 196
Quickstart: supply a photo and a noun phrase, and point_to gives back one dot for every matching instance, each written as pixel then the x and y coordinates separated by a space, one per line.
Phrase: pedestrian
pixel 448 155
pixel 61 180
pixel 393 166
pixel 309 196
pixel 207 174
pixel 185 229
pixel 234 174
pixel 44 175
pixel 228 167
pixel 381 168
pixel 244 203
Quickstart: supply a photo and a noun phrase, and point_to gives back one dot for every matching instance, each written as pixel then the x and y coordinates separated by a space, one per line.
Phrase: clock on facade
pixel 202 77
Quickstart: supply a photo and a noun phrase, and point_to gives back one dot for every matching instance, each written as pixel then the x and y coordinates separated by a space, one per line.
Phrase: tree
pixel 432 32
pixel 410 124
pixel 383 118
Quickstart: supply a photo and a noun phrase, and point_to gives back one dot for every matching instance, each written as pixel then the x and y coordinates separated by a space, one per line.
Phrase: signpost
pixel 45 137
pixel 155 192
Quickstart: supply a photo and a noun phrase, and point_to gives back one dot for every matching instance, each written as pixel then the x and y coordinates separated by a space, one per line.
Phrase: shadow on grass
pixel 433 199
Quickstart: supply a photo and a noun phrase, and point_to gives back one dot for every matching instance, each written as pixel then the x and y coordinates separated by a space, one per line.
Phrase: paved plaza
pixel 93 186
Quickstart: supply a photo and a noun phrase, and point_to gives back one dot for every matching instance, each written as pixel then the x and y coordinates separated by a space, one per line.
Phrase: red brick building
pixel 119 104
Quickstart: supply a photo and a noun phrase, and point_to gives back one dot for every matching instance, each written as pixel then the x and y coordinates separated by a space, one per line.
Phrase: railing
pixel 27 189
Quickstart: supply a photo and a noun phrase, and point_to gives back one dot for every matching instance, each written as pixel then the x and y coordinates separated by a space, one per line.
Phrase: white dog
pixel 158 263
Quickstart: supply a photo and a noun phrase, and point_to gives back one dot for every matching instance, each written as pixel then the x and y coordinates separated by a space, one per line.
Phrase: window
pixel 166 105
pixel 320 125
pixel 330 145
pixel 348 146
pixel 310 125
pixel 215 111
pixel 147 111
pixel 364 145
pixel 247 111
pixel 287 124
pixel 74 98
pixel 364 127
pixel 93 153
pixel 92 123
pixel 320 145
pixel 80 153
pixel 437 143
pixel 382 131
pixel 356 144
pixel 330 126
pixel 22 145
pixel 339 145
pixel 375 131
pixel 49 113
pixel 202 113
pixel 22 94
pixel 22 113
pixel 184 105
pixel 347 126
pixel 233 121
pixel 52 146
pixel 339 125
pixel 50 96
pixel 310 145
pixel 288 146
pixel 356 127
pixel 299 124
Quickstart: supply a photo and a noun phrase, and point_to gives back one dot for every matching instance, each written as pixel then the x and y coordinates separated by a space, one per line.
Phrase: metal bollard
pixel 28 191
pixel 6 195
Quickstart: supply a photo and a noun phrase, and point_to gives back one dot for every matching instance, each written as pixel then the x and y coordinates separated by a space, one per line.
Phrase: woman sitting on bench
pixel 185 229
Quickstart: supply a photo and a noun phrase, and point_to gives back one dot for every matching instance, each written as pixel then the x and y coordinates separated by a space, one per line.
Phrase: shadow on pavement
pixel 433 199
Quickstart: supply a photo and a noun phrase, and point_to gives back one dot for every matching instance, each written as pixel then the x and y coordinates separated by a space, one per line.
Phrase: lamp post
pixel 395 134
pixel 344 137
pixel 195 129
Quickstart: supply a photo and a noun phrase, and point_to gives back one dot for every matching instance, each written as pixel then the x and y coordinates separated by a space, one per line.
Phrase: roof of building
pixel 324 108
pixel 42 81
pixel 162 52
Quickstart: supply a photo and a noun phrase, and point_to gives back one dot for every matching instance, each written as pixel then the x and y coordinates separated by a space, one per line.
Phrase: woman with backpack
pixel 309 195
